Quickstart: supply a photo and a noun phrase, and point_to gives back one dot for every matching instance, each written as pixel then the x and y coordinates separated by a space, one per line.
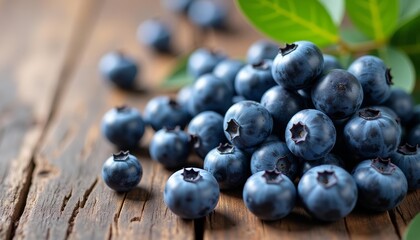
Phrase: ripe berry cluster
pixel 288 124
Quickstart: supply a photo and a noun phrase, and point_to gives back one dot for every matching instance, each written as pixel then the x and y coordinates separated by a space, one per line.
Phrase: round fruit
pixel 155 34
pixel 382 185
pixel 413 137
pixel 274 155
pixel 297 65
pixel 247 124
pixel 170 147
pixel 203 61
pixel 206 130
pixel 227 70
pixel 328 192
pixel 330 159
pixel 229 165
pixel 310 134
pixel 252 81
pixel 162 111
pixel 210 94
pixel 407 158
pixel 282 104
pixel 269 195
pixel 261 50
pixel 330 63
pixel 191 193
pixel 338 94
pixel 123 126
pixel 402 104
pixel 375 78
pixel 208 13
pixel 371 133
pixel 122 171
pixel 118 69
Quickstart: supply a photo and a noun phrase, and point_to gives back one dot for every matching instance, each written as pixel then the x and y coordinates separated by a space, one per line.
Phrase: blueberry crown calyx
pixel 327 178
pixel 233 128
pixel 173 103
pixel 122 108
pixel 288 49
pixel 190 175
pixel 408 149
pixel 383 165
pixel 283 164
pixel 272 176
pixel 299 132
pixel 261 65
pixel 121 156
pixel 370 114
pixel 225 148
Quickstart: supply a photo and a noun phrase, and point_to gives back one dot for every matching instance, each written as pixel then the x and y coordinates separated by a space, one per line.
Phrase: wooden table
pixel 51 103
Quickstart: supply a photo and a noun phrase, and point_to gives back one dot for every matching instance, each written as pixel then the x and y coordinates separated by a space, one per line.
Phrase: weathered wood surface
pixel 51 103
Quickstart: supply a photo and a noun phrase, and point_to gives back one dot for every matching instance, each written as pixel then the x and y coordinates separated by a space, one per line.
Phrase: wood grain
pixel 35 39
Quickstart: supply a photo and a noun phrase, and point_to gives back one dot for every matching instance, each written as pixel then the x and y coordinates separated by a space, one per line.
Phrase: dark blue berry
pixel 407 158
pixel 118 69
pixel 229 165
pixel 328 192
pixel 206 130
pixel 191 193
pixel 375 78
pixel 413 137
pixel 122 172
pixel 331 159
pixel 402 104
pixel 338 94
pixel 260 50
pixel 208 13
pixel 227 70
pixel 203 61
pixel 247 124
pixel 155 34
pixel 269 195
pixel 123 126
pixel 330 63
pixel 170 147
pixel 381 185
pixel 252 81
pixel 297 65
pixel 310 134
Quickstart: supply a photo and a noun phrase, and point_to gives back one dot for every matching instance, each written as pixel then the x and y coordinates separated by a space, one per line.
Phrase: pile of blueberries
pixel 288 125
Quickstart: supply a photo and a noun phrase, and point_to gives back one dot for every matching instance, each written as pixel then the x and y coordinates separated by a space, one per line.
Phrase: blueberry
pixel 260 50
pixel 208 13
pixel 123 126
pixel 227 70
pixel 207 132
pixel 282 105
pixel 374 77
pixel 407 158
pixel 328 192
pixel 183 97
pixel 210 94
pixel 247 124
pixel 162 111
pixel 170 147
pixel 122 172
pixel 338 94
pixel 237 99
pixel 118 69
pixel 415 118
pixel 381 184
pixel 297 65
pixel 330 63
pixel 191 193
pixel 310 134
pixel 203 61
pixel 371 133
pixel 229 165
pixel 274 155
pixel 402 104
pixel 155 34
pixel 269 195
pixel 253 80
pixel 177 6
pixel 330 159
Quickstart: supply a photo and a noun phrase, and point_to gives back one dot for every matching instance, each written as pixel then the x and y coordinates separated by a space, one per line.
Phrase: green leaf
pixel 351 34
pixel 407 38
pixel 413 229
pixel 179 76
pixel 290 20
pixel 409 9
pixel 335 9
pixel 375 18
pixel 402 69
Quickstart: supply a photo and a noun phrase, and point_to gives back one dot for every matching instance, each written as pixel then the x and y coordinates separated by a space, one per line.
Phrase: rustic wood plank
pixel 33 46
pixel 68 198
pixel 408 209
